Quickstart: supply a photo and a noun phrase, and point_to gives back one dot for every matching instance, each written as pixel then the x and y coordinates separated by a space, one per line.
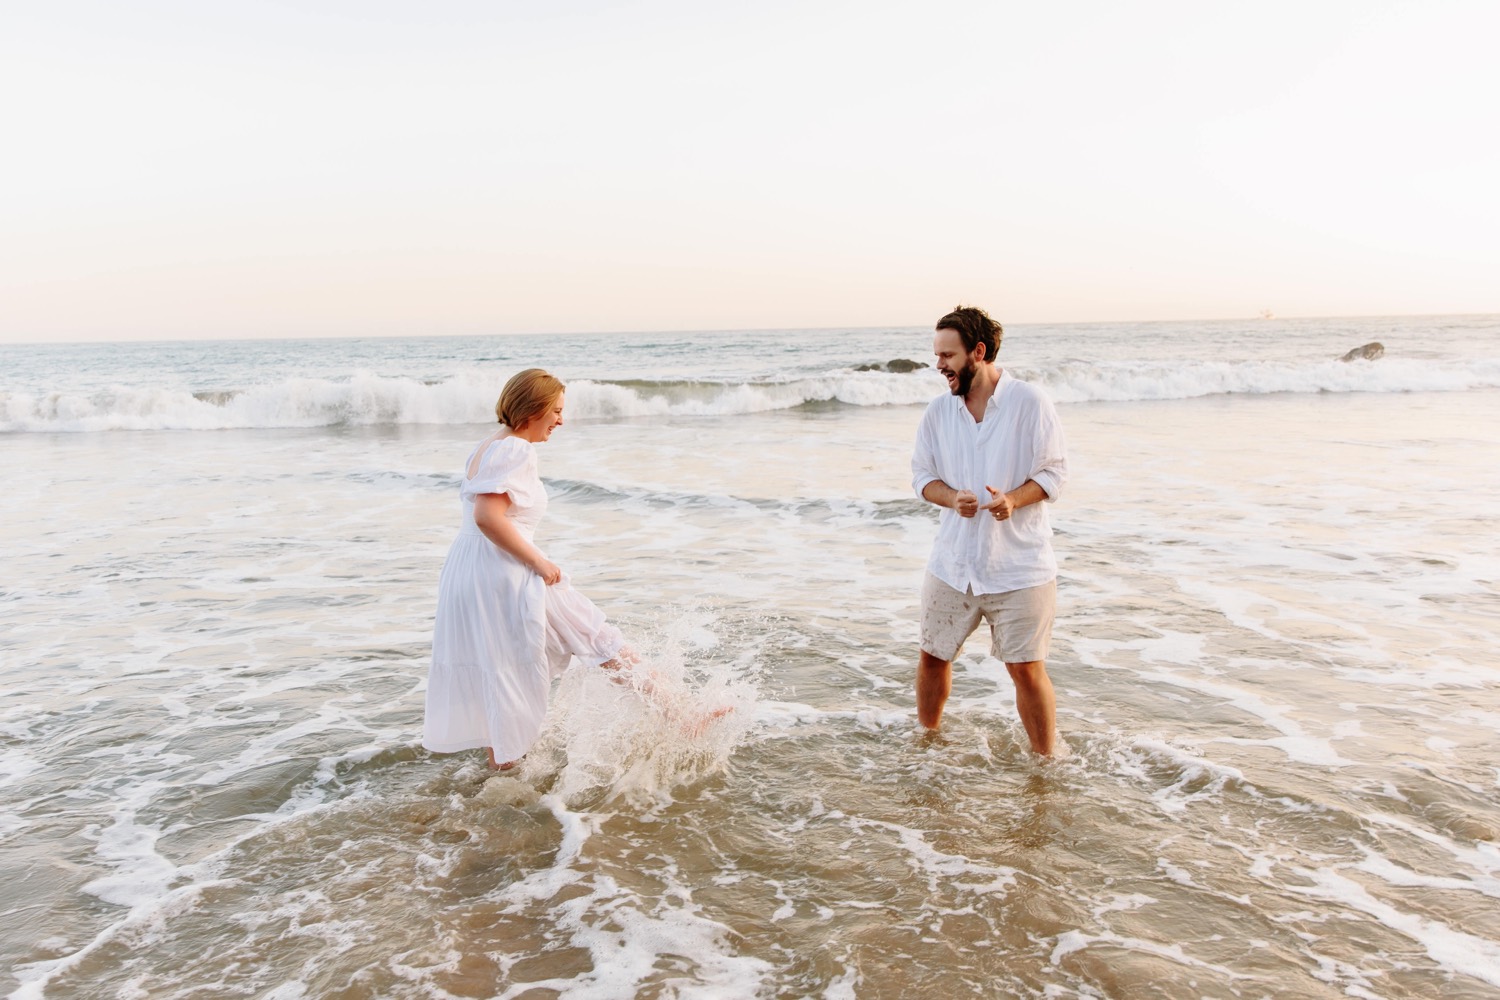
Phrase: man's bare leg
pixel 934 682
pixel 1036 704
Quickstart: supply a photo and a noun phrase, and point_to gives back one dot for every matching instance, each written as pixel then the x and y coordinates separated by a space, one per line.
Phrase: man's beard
pixel 965 376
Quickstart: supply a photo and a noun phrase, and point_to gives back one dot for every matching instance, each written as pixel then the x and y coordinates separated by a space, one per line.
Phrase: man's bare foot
pixel 1060 751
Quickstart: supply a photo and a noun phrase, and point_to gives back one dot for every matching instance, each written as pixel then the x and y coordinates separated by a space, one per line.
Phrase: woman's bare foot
pixel 697 724
pixel 494 766
pixel 626 657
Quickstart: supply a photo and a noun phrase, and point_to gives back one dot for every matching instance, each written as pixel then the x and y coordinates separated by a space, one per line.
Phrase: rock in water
pixel 1369 352
pixel 893 365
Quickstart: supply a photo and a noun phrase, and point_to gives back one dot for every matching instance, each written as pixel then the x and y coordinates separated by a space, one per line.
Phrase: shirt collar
pixel 1005 376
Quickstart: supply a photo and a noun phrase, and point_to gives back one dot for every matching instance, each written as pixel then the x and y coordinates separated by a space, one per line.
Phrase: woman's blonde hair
pixel 527 395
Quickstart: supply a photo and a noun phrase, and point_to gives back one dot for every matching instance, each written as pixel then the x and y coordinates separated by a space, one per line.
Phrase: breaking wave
pixel 365 398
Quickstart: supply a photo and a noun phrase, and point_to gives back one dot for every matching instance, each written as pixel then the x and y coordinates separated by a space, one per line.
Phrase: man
pixel 989 453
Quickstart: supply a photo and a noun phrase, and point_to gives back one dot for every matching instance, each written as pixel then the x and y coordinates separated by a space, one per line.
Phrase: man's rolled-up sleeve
pixel 1050 451
pixel 924 456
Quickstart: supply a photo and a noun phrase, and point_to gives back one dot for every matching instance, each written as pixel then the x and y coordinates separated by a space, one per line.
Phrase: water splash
pixel 634 736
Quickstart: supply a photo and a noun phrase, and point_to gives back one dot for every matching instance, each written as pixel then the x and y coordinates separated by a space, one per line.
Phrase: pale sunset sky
pixel 179 170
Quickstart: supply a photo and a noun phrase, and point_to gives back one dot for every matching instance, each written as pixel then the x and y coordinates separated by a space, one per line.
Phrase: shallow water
pixel 1274 658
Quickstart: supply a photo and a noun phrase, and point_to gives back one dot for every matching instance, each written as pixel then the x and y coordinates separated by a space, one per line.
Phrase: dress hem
pixel 453 747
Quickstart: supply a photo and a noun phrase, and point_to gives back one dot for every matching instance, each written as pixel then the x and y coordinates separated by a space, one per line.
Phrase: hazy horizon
pixel 251 171
pixel 725 331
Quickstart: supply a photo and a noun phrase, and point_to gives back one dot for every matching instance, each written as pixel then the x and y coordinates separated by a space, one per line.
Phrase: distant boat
pixel 1267 314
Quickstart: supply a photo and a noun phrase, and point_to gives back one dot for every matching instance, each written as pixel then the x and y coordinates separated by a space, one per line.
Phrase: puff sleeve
pixel 507 466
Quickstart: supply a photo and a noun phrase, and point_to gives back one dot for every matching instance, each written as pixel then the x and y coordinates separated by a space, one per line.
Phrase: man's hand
pixel 1000 505
pixel 966 503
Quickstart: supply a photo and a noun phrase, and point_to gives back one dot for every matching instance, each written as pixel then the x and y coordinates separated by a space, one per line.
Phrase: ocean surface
pixel 1277 658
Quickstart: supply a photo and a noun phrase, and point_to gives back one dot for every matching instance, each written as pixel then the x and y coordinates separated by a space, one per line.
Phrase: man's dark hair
pixel 974 326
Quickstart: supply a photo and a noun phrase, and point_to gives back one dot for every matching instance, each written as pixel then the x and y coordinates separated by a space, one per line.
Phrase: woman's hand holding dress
pixel 490 510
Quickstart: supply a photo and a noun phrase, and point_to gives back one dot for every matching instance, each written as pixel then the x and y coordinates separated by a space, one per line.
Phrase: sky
pixel 183 170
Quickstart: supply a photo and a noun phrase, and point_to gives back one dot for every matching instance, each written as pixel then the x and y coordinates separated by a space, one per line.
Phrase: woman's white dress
pixel 501 634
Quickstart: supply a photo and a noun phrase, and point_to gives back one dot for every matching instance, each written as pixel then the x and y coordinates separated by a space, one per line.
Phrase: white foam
pixel 1302 749
pixel 788 715
pixel 16 765
pixel 941 868
pixel 262 750
pixel 1350 978
pixel 1396 875
pixel 626 936
pixel 140 874
pixel 844 986
pixel 1172 647
pixel 1433 672
pixel 1294 741
pixel 1069 942
pixel 1122 902
pixel 144 921
pixel 1482 856
pixel 1176 873
pixel 1208 777
pixel 11 823
pixel 288 991
pixel 1479 717
pixel 1466 954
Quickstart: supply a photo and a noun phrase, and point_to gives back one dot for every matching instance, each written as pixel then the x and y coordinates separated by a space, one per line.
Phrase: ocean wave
pixel 365 398
pixel 368 399
pixel 1129 381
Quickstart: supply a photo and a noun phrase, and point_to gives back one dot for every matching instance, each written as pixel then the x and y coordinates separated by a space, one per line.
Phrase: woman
pixel 507 620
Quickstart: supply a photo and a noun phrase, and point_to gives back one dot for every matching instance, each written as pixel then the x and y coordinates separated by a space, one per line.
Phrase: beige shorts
pixel 1020 620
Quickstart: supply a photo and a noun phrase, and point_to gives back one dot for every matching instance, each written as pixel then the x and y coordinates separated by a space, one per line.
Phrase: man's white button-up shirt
pixel 1020 438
